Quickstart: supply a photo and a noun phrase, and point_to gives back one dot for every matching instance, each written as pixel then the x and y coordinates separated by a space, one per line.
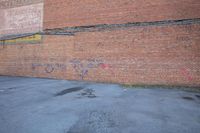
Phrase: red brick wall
pixel 137 55
pixel 69 13
pixel 153 54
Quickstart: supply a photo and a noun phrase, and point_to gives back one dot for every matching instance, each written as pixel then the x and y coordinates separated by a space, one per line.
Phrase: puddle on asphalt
pixel 7 90
pixel 1 90
pixel 12 88
pixel 188 98
pixel 198 96
pixel 88 93
pixel 69 90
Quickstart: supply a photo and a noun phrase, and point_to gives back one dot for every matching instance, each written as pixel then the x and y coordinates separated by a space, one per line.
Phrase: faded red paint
pixel 186 73
pixel 105 66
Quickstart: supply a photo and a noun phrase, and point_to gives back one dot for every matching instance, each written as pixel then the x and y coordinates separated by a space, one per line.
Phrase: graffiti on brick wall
pixel 186 73
pixel 181 41
pixel 78 46
pixel 49 67
pixel 80 67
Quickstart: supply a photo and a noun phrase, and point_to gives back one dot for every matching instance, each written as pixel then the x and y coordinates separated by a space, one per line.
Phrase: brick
pixel 166 55
pixel 70 13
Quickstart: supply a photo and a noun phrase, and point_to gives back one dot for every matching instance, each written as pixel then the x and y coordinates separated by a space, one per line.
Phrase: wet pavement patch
pixel 198 96
pixel 69 90
pixel 12 88
pixel 88 93
pixel 1 90
pixel 188 98
pixel 7 90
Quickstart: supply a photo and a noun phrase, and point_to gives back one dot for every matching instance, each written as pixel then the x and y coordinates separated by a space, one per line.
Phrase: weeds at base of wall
pixel 142 86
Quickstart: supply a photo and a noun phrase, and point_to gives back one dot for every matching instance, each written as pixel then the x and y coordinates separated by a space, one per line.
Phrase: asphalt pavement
pixel 35 105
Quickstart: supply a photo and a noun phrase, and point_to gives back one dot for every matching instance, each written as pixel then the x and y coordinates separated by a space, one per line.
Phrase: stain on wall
pixel 36 38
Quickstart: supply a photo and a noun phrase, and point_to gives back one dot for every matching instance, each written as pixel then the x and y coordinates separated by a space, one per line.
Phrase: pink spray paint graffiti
pixel 106 67
pixel 185 72
pixel 82 67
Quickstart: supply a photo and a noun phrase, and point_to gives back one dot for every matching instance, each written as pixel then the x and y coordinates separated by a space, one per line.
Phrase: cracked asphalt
pixel 35 105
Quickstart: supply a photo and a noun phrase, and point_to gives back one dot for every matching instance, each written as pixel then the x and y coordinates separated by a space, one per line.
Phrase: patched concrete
pixel 33 105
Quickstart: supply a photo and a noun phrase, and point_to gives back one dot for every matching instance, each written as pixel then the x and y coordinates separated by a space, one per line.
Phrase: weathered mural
pixel 20 17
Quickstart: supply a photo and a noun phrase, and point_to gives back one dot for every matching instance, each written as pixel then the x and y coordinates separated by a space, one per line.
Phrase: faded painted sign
pixel 1 21
pixel 30 39
pixel 24 19
pixel 14 3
